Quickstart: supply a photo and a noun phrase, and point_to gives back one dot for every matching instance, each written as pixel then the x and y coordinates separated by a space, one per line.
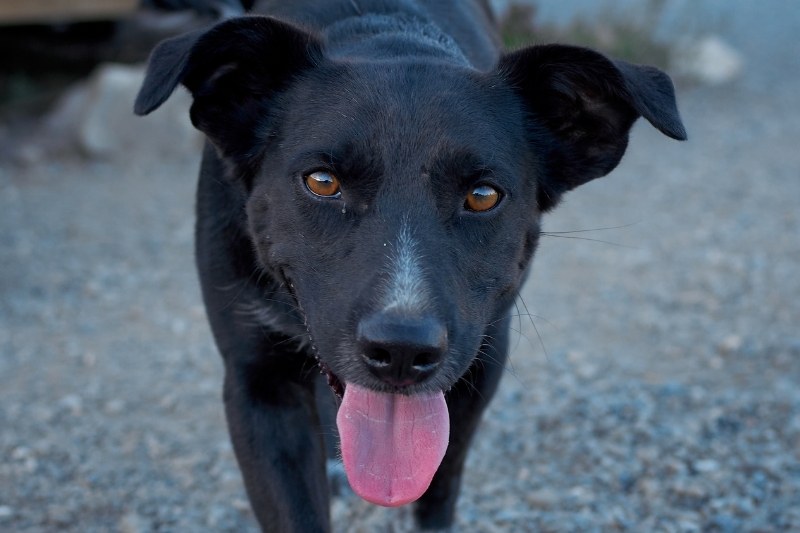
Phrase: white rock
pixel 707 60
pixel 96 117
pixel 706 465
pixel 731 343
pixel 131 522
pixel 72 403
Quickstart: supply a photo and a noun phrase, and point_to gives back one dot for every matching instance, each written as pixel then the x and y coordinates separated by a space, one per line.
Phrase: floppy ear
pixel 232 70
pixel 586 104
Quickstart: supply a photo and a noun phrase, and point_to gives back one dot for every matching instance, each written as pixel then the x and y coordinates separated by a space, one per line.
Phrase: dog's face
pixel 400 197
pixel 398 201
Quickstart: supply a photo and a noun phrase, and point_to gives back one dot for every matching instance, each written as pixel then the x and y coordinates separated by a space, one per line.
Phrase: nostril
pixel 378 357
pixel 425 361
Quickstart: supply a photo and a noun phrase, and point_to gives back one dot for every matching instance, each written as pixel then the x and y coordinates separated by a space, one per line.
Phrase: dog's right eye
pixel 323 184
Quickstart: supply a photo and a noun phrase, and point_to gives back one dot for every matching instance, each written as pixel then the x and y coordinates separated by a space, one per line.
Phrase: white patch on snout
pixel 406 290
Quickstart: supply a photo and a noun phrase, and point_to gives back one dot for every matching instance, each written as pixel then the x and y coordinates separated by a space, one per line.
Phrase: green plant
pixel 623 38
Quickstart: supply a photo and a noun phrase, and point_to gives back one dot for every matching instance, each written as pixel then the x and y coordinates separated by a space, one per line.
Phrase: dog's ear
pixel 586 104
pixel 231 70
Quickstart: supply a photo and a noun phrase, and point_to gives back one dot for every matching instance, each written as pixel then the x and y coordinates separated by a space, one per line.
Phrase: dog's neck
pixel 373 36
pixel 355 5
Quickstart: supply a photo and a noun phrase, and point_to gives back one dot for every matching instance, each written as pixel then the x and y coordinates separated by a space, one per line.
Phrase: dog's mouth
pixel 334 382
pixel 391 444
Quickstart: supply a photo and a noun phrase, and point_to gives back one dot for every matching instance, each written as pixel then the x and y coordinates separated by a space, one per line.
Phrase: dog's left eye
pixel 482 198
pixel 323 184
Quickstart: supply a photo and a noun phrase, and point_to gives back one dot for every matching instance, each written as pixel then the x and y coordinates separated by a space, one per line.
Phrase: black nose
pixel 401 351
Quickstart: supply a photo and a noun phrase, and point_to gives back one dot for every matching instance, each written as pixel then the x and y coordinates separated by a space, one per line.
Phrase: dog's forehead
pixel 407 107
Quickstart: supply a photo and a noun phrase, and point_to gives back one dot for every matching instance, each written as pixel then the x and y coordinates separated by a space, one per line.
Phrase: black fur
pixel 411 106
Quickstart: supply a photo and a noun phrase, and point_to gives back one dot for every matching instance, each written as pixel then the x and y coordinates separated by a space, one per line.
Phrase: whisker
pixel 522 334
pixel 548 234
pixel 539 317
pixel 605 228
pixel 570 234
pixel 534 327
pixel 519 320
pixel 509 368
pixel 475 389
pixel 242 288
pixel 293 338
pixel 487 358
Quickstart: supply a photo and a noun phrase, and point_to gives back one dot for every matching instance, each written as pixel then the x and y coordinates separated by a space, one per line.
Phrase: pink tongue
pixel 392 444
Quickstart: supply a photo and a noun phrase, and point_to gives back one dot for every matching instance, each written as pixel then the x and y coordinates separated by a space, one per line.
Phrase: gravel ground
pixel 657 392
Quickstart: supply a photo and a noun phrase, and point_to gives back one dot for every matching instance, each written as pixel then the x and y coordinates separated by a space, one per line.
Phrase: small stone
pixel 72 403
pixel 243 506
pixel 688 526
pixel 169 401
pixel 587 371
pixel 724 523
pixel 730 344
pixel 131 522
pixel 6 512
pixel 708 60
pixel 30 465
pixel 179 326
pixel 216 516
pixel 542 499
pixel 689 495
pixel 59 515
pixel 43 414
pixel 21 453
pixel 673 467
pixel 705 466
pixel 114 407
pixel 576 356
pixel 95 117
pixel 580 494
pixel 30 155
pixel 89 360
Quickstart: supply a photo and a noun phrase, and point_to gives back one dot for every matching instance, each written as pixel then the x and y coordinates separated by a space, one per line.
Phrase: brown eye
pixel 482 198
pixel 323 183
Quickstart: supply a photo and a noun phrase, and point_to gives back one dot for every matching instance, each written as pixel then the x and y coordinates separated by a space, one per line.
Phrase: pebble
pixel 132 522
pixel 724 524
pixel 59 515
pixel 709 60
pixel 542 499
pixel 72 403
pixel 706 466
pixel 730 344
pixel 114 407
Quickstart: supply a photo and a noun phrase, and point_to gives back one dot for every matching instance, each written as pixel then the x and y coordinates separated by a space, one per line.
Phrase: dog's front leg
pixel 274 427
pixel 466 402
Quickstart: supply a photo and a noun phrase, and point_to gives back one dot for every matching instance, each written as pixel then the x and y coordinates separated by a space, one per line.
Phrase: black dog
pixel 368 205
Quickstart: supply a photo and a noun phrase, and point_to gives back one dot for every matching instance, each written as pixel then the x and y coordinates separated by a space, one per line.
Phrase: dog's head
pixel 400 200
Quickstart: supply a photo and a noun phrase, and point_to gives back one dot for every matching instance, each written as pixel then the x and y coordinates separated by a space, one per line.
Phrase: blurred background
pixel 654 383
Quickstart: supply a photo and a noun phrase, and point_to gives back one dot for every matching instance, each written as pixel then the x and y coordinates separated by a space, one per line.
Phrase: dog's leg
pixel 274 428
pixel 466 402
